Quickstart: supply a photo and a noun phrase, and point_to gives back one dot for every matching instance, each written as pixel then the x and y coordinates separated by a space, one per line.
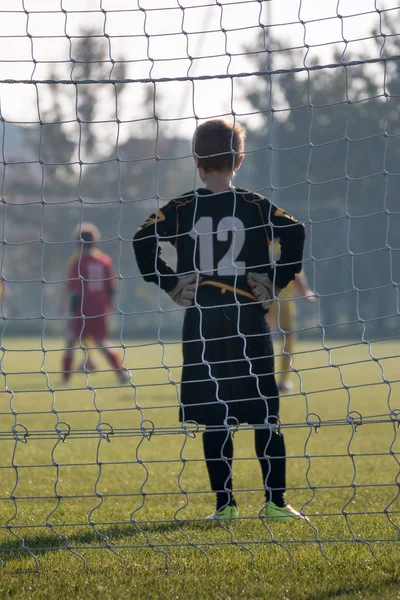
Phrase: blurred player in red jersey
pixel 90 289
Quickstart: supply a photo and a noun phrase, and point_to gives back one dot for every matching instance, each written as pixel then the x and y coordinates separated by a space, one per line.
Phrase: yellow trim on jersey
pixel 157 219
pixel 179 204
pixel 282 213
pixel 227 288
pixel 257 203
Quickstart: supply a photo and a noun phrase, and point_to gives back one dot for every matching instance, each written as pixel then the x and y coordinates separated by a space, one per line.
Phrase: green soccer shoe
pixel 280 513
pixel 225 514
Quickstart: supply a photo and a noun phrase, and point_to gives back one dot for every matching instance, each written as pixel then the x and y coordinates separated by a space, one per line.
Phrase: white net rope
pixel 98 105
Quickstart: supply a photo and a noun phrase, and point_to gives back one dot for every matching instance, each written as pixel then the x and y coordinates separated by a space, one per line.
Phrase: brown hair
pixel 217 145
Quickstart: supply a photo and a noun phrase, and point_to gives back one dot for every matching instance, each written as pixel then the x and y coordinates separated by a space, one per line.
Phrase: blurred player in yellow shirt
pixel 281 317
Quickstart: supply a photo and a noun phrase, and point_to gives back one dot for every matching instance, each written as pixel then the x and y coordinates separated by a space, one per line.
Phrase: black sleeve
pixel 159 227
pixel 291 237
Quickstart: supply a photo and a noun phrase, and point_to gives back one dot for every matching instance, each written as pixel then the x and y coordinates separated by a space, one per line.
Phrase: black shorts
pixel 228 363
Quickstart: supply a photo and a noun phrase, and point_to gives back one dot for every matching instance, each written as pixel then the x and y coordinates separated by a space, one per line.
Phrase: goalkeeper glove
pixel 183 293
pixel 262 288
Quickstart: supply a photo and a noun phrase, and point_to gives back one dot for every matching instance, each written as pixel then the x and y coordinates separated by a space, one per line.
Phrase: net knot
pixel 63 434
pixel 355 419
pixel 105 434
pixel 314 420
pixel 395 416
pixel 233 424
pixel 274 424
pixel 192 430
pixel 147 428
pixel 20 433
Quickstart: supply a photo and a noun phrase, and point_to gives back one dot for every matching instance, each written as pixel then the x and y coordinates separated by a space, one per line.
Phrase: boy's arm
pixel 291 236
pixel 301 285
pixel 160 226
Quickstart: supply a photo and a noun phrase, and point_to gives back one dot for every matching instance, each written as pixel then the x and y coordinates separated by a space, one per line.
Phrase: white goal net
pixel 99 100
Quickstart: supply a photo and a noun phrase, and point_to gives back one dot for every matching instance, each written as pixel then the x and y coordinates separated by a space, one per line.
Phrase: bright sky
pixel 157 37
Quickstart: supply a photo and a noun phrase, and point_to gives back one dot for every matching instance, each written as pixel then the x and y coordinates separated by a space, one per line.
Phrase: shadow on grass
pixel 113 537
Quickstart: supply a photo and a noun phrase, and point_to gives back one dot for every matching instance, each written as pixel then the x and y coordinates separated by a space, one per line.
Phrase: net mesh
pixel 98 104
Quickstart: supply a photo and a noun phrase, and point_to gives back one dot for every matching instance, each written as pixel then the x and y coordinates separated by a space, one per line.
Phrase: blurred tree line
pixel 326 149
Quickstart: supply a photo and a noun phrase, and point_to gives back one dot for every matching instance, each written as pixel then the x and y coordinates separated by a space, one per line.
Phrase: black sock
pixel 218 452
pixel 270 449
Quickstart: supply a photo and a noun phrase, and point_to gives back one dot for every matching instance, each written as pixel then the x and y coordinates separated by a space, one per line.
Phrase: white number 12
pixel 227 266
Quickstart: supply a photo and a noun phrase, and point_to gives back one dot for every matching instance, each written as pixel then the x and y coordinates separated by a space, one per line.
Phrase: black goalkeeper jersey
pixel 223 236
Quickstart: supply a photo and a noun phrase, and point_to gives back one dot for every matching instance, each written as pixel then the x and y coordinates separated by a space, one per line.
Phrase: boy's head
pixel 218 146
pixel 86 234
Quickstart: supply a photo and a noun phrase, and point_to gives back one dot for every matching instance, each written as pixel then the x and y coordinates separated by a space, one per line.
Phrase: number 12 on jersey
pixel 205 237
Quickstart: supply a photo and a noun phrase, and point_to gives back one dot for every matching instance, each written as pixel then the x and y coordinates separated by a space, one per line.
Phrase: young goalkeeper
pixel 226 281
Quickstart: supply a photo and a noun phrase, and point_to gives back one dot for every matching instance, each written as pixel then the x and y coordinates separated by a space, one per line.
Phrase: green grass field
pixel 130 502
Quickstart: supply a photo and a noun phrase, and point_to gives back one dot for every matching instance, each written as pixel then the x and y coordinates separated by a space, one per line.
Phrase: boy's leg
pixel 68 358
pixel 218 452
pixel 87 363
pixel 114 359
pixel 287 350
pixel 67 364
pixel 72 333
pixel 99 332
pixel 286 325
pixel 111 355
pixel 271 452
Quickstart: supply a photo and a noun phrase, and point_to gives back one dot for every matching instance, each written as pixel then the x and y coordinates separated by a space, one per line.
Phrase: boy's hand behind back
pixel 262 288
pixel 183 293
